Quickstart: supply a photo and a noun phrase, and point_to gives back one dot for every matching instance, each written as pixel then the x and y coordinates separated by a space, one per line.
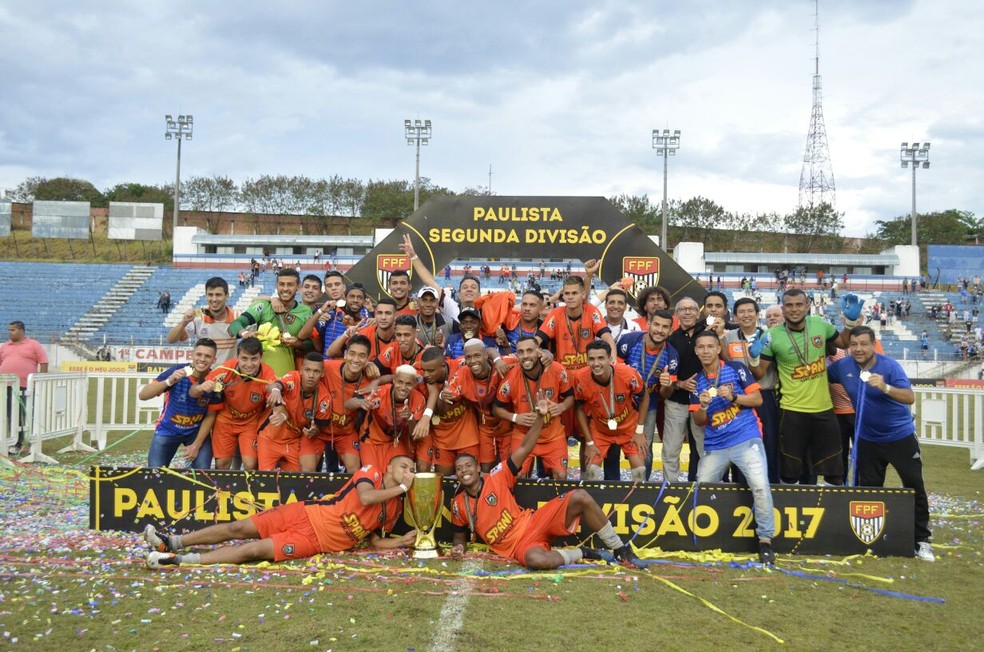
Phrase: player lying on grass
pixel 370 501
pixel 487 508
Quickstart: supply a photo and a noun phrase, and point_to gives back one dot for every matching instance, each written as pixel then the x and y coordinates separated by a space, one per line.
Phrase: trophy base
pixel 430 553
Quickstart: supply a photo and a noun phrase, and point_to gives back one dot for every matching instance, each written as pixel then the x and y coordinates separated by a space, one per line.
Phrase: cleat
pixel 591 554
pixel 925 551
pixel 767 557
pixel 627 558
pixel 157 541
pixel 160 559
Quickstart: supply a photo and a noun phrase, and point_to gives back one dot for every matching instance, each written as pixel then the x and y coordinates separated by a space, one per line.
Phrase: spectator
pixel 20 356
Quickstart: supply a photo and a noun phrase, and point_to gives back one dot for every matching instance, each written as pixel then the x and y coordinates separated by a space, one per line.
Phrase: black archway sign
pixel 537 228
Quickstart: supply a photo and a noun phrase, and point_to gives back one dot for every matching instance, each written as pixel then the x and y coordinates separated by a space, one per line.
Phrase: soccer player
pixel 530 307
pixel 334 318
pixel 236 393
pixel 516 403
pixel 736 343
pixel 487 509
pixel 405 350
pixel 391 413
pixel 211 322
pixel 301 407
pixel 723 404
pixel 348 383
pixel 656 360
pixel 280 359
pixel 881 394
pixel 611 396
pixel 454 429
pixel 470 321
pixel 808 430
pixel 367 506
pixel 379 330
pixel 399 289
pixel 477 382
pixel 181 415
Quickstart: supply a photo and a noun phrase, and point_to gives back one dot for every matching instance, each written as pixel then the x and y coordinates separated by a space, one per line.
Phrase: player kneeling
pixel 301 529
pixel 487 508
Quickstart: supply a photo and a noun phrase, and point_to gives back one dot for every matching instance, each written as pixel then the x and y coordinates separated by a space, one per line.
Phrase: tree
pixel 818 226
pixel 389 199
pixel 65 189
pixel 946 227
pixel 138 192
pixel 698 218
pixel 212 196
pixel 639 210
pixel 24 192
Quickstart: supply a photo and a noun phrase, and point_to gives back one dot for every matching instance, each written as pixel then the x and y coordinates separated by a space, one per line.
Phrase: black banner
pixel 479 227
pixel 809 520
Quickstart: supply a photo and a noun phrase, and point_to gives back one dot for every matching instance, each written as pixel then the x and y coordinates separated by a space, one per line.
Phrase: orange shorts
pixel 446 457
pixel 424 452
pixel 347 444
pixel 379 455
pixel 227 438
pixel 553 453
pixel 547 523
pixel 604 442
pixel 271 454
pixel 494 444
pixel 291 530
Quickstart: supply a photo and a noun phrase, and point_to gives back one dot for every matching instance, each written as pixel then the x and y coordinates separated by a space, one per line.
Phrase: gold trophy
pixel 422 510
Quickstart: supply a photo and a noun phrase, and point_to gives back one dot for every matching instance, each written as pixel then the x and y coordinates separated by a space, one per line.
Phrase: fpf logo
pixel 643 270
pixel 867 520
pixel 386 264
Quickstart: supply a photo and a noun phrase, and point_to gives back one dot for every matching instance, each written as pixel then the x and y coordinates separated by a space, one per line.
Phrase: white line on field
pixel 453 612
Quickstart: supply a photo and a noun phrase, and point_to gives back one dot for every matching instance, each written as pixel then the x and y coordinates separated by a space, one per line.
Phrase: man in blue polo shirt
pixel 181 415
pixel 885 434
pixel 723 403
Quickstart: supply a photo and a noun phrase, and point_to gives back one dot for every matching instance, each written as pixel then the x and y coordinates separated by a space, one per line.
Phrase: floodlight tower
pixel 418 133
pixel 917 154
pixel 178 129
pixel 816 184
pixel 666 144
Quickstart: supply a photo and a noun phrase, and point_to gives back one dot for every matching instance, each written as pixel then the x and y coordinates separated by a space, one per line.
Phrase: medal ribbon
pixel 611 397
pixel 806 342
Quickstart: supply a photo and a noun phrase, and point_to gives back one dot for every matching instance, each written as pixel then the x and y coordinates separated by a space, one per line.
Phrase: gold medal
pixel 612 424
pixel 865 376
pixel 712 391
pixel 218 386
pixel 435 420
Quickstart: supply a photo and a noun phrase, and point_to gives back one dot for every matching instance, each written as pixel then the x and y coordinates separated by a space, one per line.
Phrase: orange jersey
pixel 342 521
pixel 342 419
pixel 571 337
pixel 480 394
pixel 242 399
pixel 301 410
pixel 385 426
pixel 494 516
pixel 519 393
pixel 614 400
pixel 457 427
pixel 392 357
pixel 409 309
pixel 376 343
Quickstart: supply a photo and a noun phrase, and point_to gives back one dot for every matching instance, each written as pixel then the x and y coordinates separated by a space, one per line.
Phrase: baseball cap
pixel 469 312
pixel 429 290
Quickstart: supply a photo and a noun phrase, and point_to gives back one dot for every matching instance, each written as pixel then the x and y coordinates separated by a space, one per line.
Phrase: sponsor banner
pixel 98 366
pixel 164 356
pixel 965 383
pixel 809 520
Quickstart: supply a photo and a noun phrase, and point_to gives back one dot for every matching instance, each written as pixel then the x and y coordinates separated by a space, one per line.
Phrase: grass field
pixel 66 588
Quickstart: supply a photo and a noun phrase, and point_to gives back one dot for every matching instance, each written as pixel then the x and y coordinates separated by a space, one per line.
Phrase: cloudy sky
pixel 559 97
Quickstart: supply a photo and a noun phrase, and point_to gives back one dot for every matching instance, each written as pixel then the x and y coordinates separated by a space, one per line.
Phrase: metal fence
pixel 951 417
pixel 10 413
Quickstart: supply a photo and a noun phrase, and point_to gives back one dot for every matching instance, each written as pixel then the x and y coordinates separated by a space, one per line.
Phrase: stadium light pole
pixel 666 144
pixel 917 154
pixel 418 133
pixel 177 129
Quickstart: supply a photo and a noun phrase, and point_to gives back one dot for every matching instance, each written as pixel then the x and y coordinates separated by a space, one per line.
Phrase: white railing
pixel 9 404
pixel 951 417
pixel 57 407
pixel 117 406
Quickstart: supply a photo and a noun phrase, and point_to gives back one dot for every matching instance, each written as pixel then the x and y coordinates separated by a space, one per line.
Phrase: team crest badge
pixel 386 264
pixel 585 333
pixel 491 499
pixel 642 270
pixel 620 398
pixel 867 520
pixel 202 402
pixel 255 398
pixel 288 549
pixel 817 341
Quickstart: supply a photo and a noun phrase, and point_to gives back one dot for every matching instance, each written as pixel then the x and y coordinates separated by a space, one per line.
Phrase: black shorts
pixel 809 441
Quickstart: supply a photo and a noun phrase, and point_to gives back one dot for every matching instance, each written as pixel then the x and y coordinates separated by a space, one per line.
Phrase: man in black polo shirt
pixel 677 422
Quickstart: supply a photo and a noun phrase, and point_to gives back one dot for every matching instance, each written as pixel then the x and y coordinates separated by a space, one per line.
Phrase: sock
pixel 190 558
pixel 609 538
pixel 570 555
pixel 639 474
pixel 174 540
